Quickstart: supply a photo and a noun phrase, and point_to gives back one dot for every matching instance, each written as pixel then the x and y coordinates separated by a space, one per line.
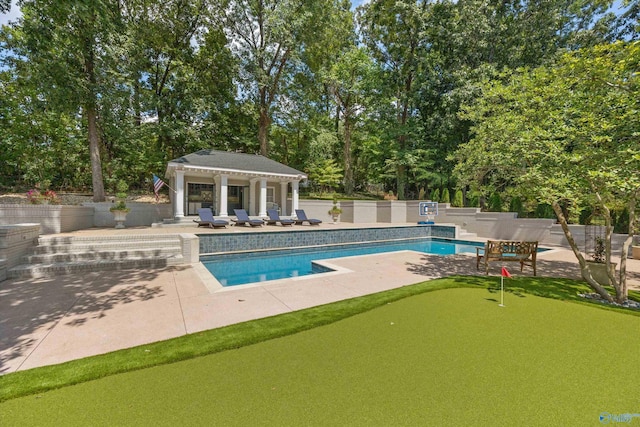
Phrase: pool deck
pixel 52 320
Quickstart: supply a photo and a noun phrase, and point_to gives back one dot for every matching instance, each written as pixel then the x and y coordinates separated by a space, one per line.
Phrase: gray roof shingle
pixel 238 161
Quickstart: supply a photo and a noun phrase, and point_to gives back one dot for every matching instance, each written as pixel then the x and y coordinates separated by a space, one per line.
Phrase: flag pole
pixel 501 290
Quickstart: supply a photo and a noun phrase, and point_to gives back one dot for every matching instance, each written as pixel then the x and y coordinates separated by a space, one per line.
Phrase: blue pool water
pixel 239 269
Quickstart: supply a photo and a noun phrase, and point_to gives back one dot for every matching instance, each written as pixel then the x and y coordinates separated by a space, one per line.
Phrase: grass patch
pixel 240 335
pixel 450 357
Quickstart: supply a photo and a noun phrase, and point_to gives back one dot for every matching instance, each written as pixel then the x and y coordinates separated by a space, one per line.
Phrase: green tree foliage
pixel 267 39
pixel 392 30
pixel 350 80
pixel 119 87
pixel 565 135
pixel 69 56
pixel 326 175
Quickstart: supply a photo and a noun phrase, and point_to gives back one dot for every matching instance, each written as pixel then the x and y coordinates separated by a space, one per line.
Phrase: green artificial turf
pixel 450 357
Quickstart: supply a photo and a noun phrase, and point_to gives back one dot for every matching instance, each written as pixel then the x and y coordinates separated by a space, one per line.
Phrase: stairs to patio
pixel 64 255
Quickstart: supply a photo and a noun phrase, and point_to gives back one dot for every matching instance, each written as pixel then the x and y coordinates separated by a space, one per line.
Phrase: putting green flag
pixel 504 273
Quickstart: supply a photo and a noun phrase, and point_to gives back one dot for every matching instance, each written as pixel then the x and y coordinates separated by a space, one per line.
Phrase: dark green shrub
pixel 445 196
pixel 515 205
pixel 544 210
pixel 458 201
pixel 495 203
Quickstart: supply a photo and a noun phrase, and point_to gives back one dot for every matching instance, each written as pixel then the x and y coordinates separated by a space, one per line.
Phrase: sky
pixel 12 15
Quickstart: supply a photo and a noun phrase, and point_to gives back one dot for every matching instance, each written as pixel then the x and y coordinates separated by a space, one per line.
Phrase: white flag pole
pixel 501 291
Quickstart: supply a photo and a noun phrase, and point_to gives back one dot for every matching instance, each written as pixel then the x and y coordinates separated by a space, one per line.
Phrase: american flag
pixel 157 185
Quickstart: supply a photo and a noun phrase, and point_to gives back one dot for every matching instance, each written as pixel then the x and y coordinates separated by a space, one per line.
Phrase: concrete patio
pixel 57 319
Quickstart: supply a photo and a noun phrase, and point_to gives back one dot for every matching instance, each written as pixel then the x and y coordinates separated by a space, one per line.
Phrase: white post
pixel 294 195
pixel 283 198
pixel 263 197
pixel 216 183
pixel 252 196
pixel 224 196
pixel 501 291
pixel 179 206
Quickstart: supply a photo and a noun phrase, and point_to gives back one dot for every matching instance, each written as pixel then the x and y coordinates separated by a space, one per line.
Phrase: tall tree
pixel 349 80
pixel 66 46
pixel 393 32
pixel 268 36
pixel 566 135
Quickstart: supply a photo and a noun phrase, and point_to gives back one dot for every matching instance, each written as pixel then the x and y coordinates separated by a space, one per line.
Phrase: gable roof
pixel 226 161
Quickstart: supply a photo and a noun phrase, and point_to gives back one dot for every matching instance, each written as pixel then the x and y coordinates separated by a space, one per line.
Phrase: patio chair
pixel 274 218
pixel 207 219
pixel 242 218
pixel 302 217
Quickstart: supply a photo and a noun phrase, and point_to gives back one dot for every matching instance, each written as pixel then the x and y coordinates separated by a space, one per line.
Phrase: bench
pixel 510 251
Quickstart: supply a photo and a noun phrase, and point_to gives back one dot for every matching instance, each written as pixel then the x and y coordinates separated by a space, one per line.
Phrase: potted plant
pixel 598 264
pixel 120 209
pixel 335 211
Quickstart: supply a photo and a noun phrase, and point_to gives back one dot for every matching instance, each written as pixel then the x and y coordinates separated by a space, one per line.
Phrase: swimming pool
pixel 240 269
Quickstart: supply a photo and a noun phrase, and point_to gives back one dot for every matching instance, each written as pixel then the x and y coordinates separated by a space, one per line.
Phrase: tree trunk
pixel 94 151
pixel 264 121
pixel 584 269
pixel 401 180
pixel 622 292
pixel 620 296
pixel 348 169
pixel 92 124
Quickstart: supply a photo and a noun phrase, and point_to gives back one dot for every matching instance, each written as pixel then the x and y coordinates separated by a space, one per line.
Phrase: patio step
pixel 98 246
pixel 64 255
pixel 465 235
pixel 90 255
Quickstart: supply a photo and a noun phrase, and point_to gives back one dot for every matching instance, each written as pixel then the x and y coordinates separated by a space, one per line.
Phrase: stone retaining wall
pixel 52 218
pixel 15 242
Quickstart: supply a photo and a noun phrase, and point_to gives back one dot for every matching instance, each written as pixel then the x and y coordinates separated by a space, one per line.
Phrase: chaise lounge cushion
pixel 274 218
pixel 207 219
pixel 302 217
pixel 242 218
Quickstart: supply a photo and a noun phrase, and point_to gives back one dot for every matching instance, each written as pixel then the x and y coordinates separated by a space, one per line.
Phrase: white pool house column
pixel 294 195
pixel 224 195
pixel 252 196
pixel 178 208
pixel 283 198
pixel 263 197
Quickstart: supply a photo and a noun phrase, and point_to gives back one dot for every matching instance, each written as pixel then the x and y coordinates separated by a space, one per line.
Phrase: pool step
pixel 65 255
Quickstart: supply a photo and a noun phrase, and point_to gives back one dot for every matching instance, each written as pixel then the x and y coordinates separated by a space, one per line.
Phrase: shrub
pixel 495 203
pixel 421 193
pixel 516 206
pixel 445 196
pixel 458 200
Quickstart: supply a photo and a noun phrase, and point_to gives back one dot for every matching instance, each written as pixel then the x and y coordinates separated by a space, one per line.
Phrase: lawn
pixel 447 357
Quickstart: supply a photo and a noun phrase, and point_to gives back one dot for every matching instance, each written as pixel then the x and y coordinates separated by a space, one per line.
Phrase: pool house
pixel 224 181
